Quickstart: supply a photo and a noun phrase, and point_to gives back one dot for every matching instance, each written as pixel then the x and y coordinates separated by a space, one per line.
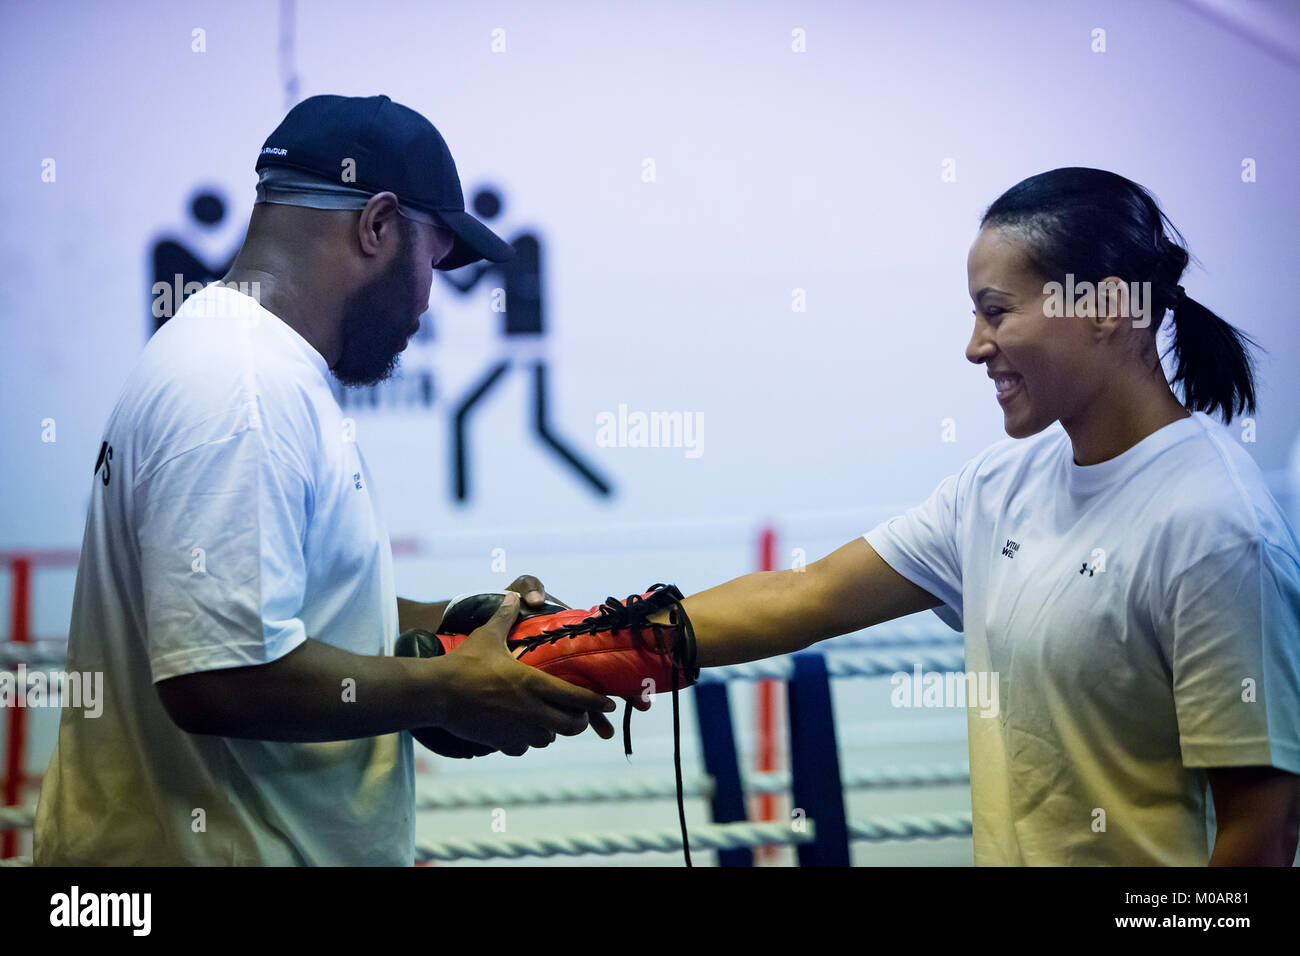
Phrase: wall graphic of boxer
pixel 174 266
pixel 524 328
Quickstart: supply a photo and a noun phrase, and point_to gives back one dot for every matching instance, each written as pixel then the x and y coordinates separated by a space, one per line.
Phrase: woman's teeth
pixel 1006 383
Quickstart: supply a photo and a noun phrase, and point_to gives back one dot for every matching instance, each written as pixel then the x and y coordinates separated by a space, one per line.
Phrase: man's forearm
pixel 1252 845
pixel 316 692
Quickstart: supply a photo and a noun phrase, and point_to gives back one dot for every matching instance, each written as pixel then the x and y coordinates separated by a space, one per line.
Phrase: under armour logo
pixel 356 477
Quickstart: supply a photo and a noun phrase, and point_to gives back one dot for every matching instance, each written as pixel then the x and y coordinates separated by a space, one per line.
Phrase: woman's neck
pixel 1120 418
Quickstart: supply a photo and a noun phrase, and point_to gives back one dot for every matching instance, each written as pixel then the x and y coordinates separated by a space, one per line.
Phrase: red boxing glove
pixel 611 649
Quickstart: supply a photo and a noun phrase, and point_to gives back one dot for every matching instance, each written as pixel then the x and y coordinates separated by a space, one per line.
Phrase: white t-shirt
pixel 1142 617
pixel 231 518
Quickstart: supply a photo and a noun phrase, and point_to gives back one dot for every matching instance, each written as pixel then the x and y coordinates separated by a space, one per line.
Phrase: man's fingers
pixel 541 737
pixel 560 693
pixel 567 722
pixel 502 618
pixel 530 589
pixel 600 723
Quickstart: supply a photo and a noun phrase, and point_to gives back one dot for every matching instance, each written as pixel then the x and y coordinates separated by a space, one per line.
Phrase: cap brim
pixel 474 241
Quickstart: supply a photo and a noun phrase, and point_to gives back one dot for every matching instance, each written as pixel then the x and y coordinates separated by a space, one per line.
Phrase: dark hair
pixel 1095 224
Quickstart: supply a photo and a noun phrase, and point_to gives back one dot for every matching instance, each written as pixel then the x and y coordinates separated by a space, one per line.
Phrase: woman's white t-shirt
pixel 1141 617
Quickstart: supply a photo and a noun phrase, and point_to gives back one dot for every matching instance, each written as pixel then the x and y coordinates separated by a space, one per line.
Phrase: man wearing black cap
pixel 378 157
pixel 235 587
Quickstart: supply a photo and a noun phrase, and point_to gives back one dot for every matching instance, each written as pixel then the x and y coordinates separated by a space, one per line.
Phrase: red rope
pixel 767 703
pixel 20 579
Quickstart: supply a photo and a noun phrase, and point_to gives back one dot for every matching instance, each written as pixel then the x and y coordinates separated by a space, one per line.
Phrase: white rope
pixel 878 664
pixel 16 818
pixel 459 796
pixel 718 836
pixel 35 654
pixel 885 635
pixel 881 829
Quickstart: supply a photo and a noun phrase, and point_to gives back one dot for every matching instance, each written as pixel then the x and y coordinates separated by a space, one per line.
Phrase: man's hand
pixel 535 597
pixel 490 698
pixel 533 592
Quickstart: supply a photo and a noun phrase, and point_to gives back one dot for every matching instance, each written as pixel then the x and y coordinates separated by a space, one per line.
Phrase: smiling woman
pixel 1095 368
pixel 1127 579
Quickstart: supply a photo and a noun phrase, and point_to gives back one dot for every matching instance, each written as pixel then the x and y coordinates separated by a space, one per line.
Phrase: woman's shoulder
pixel 1010 459
pixel 1210 493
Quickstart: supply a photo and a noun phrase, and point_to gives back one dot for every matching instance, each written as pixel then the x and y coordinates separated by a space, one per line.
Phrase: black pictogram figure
pixel 174 266
pixel 521 279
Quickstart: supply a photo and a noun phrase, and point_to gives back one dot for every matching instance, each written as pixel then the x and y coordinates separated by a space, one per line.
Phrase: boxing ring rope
pixel 821 836
pixel 728 836
pixel 875 664
pixel 724 837
pixel 16 818
pixel 462 796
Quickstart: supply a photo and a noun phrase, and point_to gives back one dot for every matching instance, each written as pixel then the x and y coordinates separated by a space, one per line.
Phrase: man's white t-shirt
pixel 232 517
pixel 1142 617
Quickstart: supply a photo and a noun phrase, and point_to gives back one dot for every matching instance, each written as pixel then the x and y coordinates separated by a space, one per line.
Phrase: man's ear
pixel 379 224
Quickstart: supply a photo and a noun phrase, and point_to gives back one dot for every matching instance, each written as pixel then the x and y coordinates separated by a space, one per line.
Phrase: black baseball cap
pixel 393 148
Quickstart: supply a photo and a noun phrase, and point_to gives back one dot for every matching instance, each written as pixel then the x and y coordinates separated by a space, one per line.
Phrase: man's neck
pixel 297 304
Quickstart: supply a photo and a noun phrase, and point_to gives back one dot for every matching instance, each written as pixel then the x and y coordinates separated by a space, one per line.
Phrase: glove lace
pixel 634 615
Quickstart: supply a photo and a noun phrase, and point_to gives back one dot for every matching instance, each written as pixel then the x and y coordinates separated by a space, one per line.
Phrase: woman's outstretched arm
pixel 775 612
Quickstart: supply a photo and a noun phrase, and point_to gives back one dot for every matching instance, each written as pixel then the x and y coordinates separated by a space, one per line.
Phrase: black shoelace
pixel 616 615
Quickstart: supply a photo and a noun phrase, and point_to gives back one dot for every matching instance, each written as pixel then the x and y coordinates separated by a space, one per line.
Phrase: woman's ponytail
pixel 1212 361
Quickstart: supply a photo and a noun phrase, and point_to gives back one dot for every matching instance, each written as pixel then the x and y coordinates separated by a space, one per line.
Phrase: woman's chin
pixel 1017 424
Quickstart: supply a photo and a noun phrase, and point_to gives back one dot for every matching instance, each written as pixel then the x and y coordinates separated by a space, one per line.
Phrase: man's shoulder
pixel 200 381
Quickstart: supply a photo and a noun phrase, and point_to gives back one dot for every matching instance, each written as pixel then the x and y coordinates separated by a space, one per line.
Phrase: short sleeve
pixel 221 530
pixel 921 545
pixel 1235 621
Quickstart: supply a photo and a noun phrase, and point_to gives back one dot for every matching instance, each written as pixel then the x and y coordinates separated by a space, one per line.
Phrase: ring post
pixel 718 742
pixel 815 763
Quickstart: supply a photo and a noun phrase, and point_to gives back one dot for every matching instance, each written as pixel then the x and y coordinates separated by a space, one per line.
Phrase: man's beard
pixel 376 321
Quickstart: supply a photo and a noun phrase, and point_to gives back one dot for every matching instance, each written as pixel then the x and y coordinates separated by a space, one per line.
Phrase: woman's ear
pixel 1113 299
